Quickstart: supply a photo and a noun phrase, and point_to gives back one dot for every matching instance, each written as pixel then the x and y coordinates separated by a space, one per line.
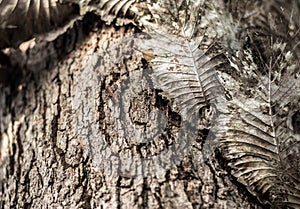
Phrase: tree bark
pixel 77 110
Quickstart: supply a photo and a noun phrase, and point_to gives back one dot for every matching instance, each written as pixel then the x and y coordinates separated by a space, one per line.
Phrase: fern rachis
pixel 257 141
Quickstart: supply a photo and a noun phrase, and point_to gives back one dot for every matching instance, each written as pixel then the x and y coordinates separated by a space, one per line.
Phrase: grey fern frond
pixel 108 10
pixel 257 140
pixel 264 18
pixel 22 19
pixel 184 66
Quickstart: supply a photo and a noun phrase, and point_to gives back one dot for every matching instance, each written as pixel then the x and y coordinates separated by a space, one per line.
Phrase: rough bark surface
pixel 52 146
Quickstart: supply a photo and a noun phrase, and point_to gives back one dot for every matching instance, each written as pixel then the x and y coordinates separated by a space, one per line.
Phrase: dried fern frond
pixel 184 64
pixel 258 141
pixel 264 18
pixel 22 19
pixel 108 10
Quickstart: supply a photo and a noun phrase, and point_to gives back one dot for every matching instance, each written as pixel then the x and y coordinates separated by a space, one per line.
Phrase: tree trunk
pixel 83 127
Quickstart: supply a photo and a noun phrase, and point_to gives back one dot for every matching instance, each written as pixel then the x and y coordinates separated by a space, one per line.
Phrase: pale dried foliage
pixel 188 43
pixel 255 130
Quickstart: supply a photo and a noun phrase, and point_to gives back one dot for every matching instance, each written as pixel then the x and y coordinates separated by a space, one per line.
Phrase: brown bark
pixel 69 105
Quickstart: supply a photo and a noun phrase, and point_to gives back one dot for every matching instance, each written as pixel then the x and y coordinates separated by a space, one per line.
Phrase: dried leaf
pixel 257 138
pixel 20 20
pixel 183 65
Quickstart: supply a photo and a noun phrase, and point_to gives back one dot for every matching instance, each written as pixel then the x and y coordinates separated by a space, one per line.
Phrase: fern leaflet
pixel 183 65
pixel 20 20
pixel 258 141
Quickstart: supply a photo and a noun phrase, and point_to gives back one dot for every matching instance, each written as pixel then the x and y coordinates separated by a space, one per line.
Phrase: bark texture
pixel 60 119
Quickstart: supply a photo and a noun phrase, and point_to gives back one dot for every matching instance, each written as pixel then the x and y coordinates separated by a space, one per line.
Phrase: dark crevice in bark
pixel 55 121
pixel 27 205
pixel 55 126
pixel 36 95
pixel 118 192
pixel 71 76
pixel 5 65
pixel 17 164
pixel 7 73
pixel 145 191
pixel 43 100
pixel 101 107
pixel 158 198
pixel 184 172
pixel 211 167
pixel 27 183
pixel 12 160
pixel 62 157
pixel 86 191
pixel 13 163
pixel 188 194
pixel 40 178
